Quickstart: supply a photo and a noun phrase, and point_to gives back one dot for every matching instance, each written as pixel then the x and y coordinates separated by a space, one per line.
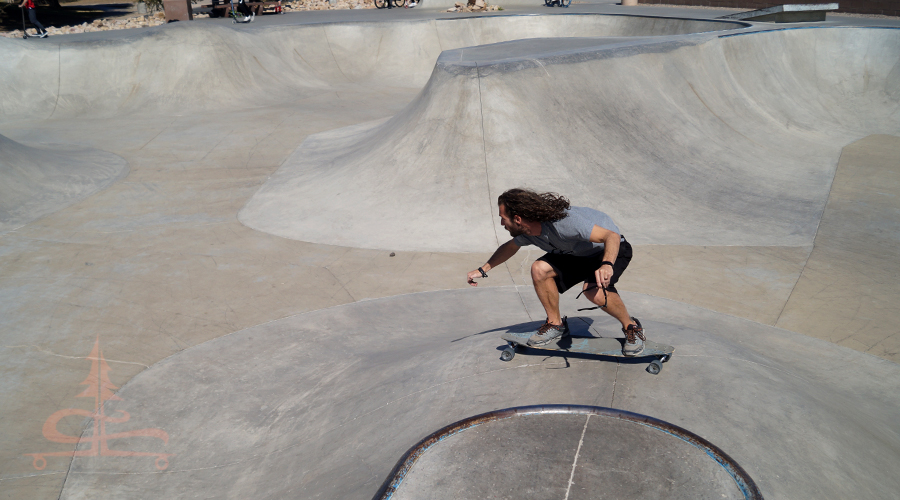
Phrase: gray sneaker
pixel 548 333
pixel 634 338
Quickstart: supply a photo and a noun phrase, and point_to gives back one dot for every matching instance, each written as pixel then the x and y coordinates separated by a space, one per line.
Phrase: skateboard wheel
pixel 654 367
pixel 507 354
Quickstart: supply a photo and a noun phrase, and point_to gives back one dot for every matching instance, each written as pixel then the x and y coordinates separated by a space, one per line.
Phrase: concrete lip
pixel 619 454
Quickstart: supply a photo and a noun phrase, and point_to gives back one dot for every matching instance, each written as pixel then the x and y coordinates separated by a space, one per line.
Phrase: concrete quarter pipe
pixel 742 152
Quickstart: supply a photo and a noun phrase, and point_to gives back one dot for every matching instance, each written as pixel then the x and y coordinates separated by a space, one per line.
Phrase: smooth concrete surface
pixel 566 456
pixel 743 152
pixel 157 264
pixel 37 181
pixel 161 70
pixel 848 292
pixel 842 290
pixel 322 404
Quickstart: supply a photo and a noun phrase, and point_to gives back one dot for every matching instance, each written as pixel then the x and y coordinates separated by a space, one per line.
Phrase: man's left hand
pixel 603 275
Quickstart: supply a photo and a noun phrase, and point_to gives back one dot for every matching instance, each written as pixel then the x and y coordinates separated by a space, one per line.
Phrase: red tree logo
pixel 101 389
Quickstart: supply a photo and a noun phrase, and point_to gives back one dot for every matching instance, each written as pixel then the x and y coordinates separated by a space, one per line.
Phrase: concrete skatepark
pixel 250 244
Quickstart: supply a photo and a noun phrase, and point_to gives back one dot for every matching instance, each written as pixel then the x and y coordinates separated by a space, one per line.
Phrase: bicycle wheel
pixel 549 3
pixel 399 3
pixel 380 4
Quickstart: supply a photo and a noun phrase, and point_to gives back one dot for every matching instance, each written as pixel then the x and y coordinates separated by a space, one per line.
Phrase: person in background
pixel 245 9
pixel 29 6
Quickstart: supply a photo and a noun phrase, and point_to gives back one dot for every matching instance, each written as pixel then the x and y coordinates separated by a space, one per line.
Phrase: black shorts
pixel 572 270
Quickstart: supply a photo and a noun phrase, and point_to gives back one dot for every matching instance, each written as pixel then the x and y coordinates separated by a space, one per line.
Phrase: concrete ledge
pixel 792 13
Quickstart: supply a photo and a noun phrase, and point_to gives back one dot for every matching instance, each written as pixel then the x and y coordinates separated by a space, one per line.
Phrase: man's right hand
pixel 501 255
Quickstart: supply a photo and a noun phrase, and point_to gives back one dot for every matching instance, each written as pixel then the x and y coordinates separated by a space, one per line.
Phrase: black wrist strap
pixel 483 274
pixel 606 262
pixel 605 297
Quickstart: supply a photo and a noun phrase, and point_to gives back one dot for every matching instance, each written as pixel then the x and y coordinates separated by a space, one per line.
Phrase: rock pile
pixel 474 6
pixel 98 25
pixel 145 21
pixel 327 5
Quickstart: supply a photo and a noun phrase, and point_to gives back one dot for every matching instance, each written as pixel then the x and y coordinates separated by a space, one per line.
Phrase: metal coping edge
pixel 743 24
pixel 740 476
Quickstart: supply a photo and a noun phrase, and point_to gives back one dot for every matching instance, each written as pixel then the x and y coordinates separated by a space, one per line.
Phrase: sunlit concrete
pixel 156 270
pixel 743 153
pixel 323 404
pixel 37 182
pixel 511 457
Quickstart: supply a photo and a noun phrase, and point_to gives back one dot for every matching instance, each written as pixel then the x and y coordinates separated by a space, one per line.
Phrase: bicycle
pixel 380 4
pixel 237 17
pixel 561 3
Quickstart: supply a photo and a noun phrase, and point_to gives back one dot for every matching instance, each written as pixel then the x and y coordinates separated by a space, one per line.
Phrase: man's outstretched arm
pixel 501 255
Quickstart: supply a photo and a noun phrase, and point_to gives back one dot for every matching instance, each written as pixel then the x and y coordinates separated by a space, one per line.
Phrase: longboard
pixel 598 346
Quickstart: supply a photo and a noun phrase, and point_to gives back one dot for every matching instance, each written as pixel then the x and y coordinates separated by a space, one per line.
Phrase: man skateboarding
pixel 583 245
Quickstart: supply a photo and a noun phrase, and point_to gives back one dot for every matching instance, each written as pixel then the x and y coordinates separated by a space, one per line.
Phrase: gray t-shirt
pixel 571 235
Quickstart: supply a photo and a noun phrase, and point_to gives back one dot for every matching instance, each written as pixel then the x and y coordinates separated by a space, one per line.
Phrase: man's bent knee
pixel 596 296
pixel 541 271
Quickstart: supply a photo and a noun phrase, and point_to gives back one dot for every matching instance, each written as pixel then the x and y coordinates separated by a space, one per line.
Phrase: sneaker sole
pixel 554 339
pixel 634 353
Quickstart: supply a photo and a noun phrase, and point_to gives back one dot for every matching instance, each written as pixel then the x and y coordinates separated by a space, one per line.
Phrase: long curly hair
pixel 533 206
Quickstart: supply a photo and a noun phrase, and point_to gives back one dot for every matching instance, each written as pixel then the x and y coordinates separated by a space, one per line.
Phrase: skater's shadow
pixel 578 327
pixel 565 355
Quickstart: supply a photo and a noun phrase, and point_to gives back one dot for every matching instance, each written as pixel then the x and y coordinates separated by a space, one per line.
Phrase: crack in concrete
pixel 45 351
pixel 577 453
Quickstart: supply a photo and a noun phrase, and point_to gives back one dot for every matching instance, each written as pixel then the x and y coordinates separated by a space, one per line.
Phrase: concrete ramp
pixel 699 139
pixel 204 66
pixel 35 182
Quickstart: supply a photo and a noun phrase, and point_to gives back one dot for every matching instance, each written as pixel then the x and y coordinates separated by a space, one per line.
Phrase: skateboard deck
pixel 598 346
